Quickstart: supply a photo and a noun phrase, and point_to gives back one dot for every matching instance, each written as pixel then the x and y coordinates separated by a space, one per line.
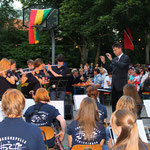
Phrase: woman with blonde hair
pixel 43 114
pixel 124 125
pixel 128 103
pixel 6 76
pixel 86 129
pixel 15 133
pixel 130 90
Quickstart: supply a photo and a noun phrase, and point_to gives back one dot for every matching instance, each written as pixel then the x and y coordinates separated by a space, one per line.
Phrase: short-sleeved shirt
pixel 4 84
pixel 107 79
pixel 74 130
pixel 44 117
pixel 63 70
pixel 98 79
pixel 102 112
pixel 136 81
pixel 16 134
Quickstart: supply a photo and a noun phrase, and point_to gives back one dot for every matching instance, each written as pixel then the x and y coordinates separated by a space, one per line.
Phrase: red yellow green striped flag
pixel 37 17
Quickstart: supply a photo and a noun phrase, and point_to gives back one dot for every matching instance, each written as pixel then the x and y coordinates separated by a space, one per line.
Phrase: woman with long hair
pixel 130 90
pixel 86 129
pixel 93 93
pixel 43 114
pixel 124 125
pixel 6 77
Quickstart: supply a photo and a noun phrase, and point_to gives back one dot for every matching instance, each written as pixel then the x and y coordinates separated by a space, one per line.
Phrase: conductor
pixel 119 67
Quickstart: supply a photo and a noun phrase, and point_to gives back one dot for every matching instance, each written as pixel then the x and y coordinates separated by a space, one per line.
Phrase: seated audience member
pixel 6 76
pixel 104 73
pixel 130 90
pixel 130 74
pixel 136 80
pixel 97 66
pixel 143 77
pixel 91 69
pixel 93 93
pixel 97 78
pixel 43 114
pixel 82 76
pixel 86 68
pixel 86 129
pixel 15 133
pixel 108 81
pixel 124 125
pixel 146 87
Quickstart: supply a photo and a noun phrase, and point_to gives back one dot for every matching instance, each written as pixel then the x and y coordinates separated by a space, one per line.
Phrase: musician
pixel 13 70
pixel 6 77
pixel 58 71
pixel 35 78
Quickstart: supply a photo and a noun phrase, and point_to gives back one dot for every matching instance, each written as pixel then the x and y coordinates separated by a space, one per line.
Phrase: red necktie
pixel 117 59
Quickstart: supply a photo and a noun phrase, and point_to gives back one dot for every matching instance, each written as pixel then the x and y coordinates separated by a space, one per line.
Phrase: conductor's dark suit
pixel 119 70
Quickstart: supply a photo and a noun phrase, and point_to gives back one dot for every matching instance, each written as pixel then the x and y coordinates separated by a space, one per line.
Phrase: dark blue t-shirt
pixel 78 136
pixel 102 111
pixel 16 134
pixel 45 115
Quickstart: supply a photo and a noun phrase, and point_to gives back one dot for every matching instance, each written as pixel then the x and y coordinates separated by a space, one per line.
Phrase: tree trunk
pixel 97 53
pixel 148 50
pixel 83 51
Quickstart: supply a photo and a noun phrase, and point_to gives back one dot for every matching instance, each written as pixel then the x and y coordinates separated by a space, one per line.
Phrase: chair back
pixel 48 131
pixel 82 147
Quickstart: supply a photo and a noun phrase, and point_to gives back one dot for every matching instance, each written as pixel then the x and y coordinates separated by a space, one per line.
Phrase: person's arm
pixel 70 140
pixel 63 126
pixel 102 142
pixel 54 73
pixel 10 79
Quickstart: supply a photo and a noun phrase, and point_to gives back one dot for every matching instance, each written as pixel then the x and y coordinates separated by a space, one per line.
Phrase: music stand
pixel 58 83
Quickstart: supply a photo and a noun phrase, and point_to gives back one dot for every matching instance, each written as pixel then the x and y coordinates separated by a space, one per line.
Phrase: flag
pixel 37 17
pixel 128 44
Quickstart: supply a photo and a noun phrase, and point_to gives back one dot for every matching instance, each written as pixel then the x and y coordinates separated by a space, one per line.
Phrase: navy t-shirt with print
pixel 45 116
pixel 102 112
pixel 16 134
pixel 78 136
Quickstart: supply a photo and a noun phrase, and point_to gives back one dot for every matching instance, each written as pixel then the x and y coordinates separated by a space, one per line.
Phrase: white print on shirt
pixel 81 134
pixel 12 143
pixel 40 118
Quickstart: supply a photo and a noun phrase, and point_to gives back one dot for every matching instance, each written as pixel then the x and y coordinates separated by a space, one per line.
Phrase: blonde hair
pixel 129 136
pixel 13 102
pixel 128 103
pixel 4 65
pixel 87 117
pixel 41 95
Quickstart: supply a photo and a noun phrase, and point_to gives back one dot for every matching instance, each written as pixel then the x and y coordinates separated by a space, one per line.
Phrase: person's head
pixel 136 72
pixel 4 65
pixel 96 65
pixel 142 70
pixel 41 95
pixel 91 64
pixel 96 72
pixel 103 70
pixel 130 90
pixel 117 49
pixel 30 63
pixel 13 103
pixel 12 64
pixel 81 71
pixel 92 92
pixel 88 116
pixel 123 124
pixel 60 59
pixel 75 72
pixel 38 63
pixel 128 103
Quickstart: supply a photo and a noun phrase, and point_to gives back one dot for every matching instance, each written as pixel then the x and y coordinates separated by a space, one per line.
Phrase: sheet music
pixel 147 107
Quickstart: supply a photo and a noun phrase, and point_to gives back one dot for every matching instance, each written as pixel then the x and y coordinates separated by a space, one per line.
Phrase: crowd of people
pixel 90 126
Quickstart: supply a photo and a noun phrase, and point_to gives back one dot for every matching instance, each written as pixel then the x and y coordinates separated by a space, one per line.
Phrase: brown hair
pixel 129 136
pixel 37 62
pixel 13 102
pixel 4 65
pixel 41 95
pixel 12 61
pixel 128 103
pixel 92 92
pixel 130 90
pixel 87 117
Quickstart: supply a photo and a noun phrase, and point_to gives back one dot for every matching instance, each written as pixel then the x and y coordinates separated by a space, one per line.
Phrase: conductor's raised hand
pixel 109 56
pixel 102 59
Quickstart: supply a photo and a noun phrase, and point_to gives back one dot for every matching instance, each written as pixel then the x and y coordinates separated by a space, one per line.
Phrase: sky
pixel 17 5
